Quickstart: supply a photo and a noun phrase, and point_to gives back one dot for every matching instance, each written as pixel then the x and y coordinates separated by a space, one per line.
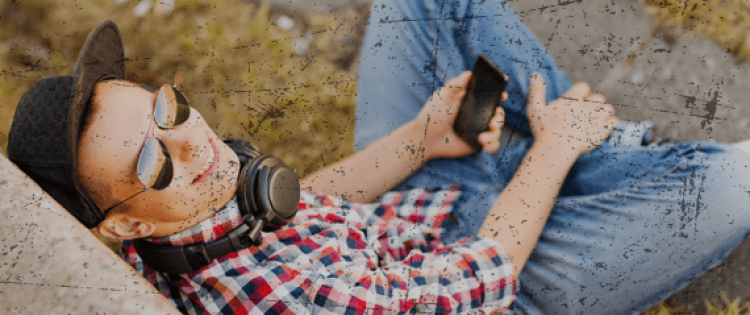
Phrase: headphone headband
pixel 268 193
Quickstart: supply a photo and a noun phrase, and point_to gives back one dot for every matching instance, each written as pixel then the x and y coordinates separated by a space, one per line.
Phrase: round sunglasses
pixel 155 169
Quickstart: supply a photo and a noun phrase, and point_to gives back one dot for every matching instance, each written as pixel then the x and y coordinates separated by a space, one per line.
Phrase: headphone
pixel 268 193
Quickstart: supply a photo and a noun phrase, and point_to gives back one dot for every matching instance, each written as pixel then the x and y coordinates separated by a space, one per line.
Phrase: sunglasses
pixel 155 168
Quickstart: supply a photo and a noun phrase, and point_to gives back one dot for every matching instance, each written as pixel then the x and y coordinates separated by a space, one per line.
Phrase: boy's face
pixel 110 147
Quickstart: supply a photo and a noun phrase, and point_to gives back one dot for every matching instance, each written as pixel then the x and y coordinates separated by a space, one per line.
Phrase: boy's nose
pixel 186 141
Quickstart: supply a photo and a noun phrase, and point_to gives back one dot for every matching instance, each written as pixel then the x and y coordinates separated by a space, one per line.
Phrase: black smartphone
pixel 483 95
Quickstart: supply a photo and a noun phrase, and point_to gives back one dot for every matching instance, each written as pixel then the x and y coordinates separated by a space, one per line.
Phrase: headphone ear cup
pixel 246 188
pixel 267 188
pixel 278 192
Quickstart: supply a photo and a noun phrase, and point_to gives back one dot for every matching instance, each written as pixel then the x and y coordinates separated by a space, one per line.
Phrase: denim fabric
pixel 632 224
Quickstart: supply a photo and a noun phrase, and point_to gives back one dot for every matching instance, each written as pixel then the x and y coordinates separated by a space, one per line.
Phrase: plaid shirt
pixel 338 257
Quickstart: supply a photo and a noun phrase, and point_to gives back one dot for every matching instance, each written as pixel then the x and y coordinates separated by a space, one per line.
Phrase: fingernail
pixel 536 77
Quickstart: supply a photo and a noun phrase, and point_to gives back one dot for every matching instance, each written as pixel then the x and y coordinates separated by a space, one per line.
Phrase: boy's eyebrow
pixel 123 83
pixel 147 87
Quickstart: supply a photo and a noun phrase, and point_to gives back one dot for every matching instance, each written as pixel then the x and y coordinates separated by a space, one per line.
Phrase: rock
pixel 611 45
pixel 51 264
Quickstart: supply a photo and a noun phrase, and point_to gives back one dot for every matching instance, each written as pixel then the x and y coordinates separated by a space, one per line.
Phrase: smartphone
pixel 483 95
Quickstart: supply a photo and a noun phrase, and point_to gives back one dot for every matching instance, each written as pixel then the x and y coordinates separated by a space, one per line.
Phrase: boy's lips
pixel 213 163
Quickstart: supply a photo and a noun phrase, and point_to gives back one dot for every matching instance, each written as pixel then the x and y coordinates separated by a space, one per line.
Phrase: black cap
pixel 43 139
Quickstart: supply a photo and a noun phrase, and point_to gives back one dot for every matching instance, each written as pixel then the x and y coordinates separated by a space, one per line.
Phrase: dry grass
pixel 725 307
pixel 234 64
pixel 727 22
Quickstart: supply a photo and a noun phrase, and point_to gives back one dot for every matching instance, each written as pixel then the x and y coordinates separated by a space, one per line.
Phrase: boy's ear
pixel 124 227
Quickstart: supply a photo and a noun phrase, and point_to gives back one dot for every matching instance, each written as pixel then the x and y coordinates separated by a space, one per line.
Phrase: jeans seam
pixel 485 189
pixel 629 188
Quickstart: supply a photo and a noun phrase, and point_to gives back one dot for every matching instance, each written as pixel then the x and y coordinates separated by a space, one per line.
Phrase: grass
pixel 239 69
pixel 726 22
pixel 726 307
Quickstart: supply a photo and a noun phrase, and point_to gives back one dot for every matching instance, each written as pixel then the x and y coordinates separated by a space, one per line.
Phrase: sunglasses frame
pixel 166 171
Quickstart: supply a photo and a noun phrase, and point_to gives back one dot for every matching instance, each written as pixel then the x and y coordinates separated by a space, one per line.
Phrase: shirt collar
pixel 215 227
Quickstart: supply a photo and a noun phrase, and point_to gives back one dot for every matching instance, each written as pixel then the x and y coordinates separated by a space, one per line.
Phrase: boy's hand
pixel 438 115
pixel 576 123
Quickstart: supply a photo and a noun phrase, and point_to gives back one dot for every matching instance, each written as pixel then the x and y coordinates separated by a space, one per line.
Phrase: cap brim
pixel 102 57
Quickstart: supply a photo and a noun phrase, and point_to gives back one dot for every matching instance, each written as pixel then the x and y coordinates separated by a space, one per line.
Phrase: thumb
pixel 455 88
pixel 537 91
pixel 458 83
pixel 461 81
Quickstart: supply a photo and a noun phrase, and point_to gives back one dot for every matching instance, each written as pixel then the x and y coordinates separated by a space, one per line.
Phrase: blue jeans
pixel 633 223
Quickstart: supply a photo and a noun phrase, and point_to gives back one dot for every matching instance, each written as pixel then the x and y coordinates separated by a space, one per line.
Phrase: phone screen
pixel 483 96
pixel 487 90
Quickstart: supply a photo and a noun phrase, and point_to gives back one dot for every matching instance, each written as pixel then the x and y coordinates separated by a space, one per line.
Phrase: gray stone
pixel 610 45
pixel 591 40
pixel 51 264
pixel 691 90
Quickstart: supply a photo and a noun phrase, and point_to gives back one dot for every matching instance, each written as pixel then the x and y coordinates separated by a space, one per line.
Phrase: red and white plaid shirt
pixel 338 257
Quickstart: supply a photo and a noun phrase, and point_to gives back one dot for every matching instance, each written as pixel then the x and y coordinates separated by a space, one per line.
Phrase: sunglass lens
pixel 172 107
pixel 155 165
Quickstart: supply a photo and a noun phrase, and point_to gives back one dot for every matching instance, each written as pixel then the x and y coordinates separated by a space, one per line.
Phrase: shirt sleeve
pixel 347 258
pixel 333 270
pixel 471 277
pixel 412 272
pixel 475 276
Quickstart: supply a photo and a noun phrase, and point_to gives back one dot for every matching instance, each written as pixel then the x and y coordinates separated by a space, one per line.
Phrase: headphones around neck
pixel 268 193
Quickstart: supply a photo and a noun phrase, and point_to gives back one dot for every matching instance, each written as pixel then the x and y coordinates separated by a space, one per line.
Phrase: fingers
pixel 491 146
pixel 600 104
pixel 459 82
pixel 455 88
pixel 504 97
pixel 595 98
pixel 537 91
pixel 490 139
pixel 498 119
pixel 611 123
pixel 605 108
pixel 452 92
pixel 579 91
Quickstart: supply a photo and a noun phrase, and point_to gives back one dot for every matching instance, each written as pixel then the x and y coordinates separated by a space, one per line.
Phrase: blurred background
pixel 284 76
pixel 277 77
